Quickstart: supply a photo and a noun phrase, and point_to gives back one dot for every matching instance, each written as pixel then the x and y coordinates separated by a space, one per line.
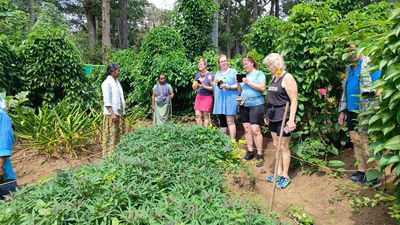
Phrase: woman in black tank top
pixel 283 88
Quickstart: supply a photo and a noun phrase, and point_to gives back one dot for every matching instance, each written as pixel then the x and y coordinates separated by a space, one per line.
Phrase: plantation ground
pixel 323 197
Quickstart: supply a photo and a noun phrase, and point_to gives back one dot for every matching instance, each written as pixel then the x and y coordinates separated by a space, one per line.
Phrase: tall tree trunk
pixel 254 13
pixel 228 28
pixel 91 23
pixel 33 12
pixel 277 8
pixel 105 39
pixel 123 24
pixel 271 11
pixel 215 28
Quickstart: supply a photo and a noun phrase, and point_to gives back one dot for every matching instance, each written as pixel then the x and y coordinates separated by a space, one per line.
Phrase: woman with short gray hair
pixel 283 88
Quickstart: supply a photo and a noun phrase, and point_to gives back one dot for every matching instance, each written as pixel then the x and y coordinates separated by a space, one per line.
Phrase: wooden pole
pixel 279 155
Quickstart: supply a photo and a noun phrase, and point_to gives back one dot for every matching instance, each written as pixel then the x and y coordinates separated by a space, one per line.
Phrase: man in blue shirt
pixel 356 97
pixel 7 176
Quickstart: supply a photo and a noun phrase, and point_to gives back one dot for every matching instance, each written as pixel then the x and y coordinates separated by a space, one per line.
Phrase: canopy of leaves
pixel 13 22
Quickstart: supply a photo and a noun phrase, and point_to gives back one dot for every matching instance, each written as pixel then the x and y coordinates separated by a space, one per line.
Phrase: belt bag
pixel 240 100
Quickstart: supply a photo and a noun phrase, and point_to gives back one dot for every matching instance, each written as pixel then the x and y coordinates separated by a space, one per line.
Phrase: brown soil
pixel 323 197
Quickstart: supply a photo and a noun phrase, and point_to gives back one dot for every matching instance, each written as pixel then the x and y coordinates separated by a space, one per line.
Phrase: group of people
pixel 229 93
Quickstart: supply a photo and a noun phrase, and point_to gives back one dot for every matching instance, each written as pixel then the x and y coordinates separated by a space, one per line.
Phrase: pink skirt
pixel 204 103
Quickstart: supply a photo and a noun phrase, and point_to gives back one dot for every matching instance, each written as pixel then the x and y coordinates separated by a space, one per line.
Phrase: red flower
pixel 322 91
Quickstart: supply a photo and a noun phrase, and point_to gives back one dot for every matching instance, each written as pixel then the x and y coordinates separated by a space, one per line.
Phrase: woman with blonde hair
pixel 283 88
pixel 203 84
pixel 225 94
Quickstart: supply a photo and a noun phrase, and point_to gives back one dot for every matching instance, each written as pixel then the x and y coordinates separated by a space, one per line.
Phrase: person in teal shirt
pixel 252 110
pixel 225 94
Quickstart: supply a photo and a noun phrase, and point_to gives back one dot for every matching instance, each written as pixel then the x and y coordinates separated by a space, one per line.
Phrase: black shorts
pixel 252 114
pixel 275 127
pixel 222 120
pixel 351 120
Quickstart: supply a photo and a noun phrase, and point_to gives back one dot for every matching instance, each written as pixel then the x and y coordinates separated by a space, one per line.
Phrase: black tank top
pixel 277 98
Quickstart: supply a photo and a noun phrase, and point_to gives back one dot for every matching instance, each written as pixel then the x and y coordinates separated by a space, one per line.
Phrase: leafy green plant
pixel 52 64
pixel 10 69
pixel 14 22
pixel 383 117
pixel 61 129
pixel 193 20
pixel 159 175
pixel 297 214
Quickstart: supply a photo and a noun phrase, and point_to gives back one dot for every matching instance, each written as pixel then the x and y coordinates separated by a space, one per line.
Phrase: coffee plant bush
pixel 162 52
pixel 160 175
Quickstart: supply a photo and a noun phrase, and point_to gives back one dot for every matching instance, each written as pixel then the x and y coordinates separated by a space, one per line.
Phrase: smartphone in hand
pixel 240 76
pixel 198 81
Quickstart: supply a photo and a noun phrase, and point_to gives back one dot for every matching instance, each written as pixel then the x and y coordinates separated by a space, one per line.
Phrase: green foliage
pixel 13 22
pixel 52 65
pixel 129 66
pixel 310 57
pixel 297 214
pixel 211 59
pixel 343 6
pixel 383 117
pixel 50 16
pixel 193 19
pixel 162 52
pixel 61 129
pixel 264 34
pixel 10 68
pixel 161 175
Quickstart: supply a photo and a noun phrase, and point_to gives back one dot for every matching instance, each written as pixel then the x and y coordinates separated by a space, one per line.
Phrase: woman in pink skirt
pixel 203 104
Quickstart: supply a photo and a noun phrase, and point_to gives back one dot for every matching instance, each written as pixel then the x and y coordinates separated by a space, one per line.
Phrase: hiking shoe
pixel 260 160
pixel 249 155
pixel 271 178
pixel 283 182
pixel 358 177
pixel 375 183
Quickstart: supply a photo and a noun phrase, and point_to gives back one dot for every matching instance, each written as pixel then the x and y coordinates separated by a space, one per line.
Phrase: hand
pixel 114 118
pixel 341 118
pixel 266 121
pixel 152 108
pixel 291 125
pixel 223 86
pixel 246 81
pixel 202 86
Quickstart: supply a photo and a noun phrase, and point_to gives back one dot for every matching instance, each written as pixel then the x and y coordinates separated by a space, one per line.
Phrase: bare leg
pixel 199 121
pixel 231 126
pixel 224 130
pixel 257 136
pixel 206 119
pixel 285 156
pixel 249 136
pixel 275 140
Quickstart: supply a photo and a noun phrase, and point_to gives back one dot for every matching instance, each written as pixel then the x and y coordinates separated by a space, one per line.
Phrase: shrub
pixel 61 129
pixel 10 69
pixel 162 51
pixel 52 64
pixel 161 175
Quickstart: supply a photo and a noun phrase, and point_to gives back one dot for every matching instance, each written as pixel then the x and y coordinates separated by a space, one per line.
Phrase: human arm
pixel 153 99
pixel 106 89
pixel 170 92
pixel 259 86
pixel 291 90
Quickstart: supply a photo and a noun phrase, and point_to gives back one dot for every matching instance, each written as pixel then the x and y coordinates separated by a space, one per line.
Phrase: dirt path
pixel 323 197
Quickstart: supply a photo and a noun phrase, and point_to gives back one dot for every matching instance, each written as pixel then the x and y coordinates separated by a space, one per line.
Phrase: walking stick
pixel 279 155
